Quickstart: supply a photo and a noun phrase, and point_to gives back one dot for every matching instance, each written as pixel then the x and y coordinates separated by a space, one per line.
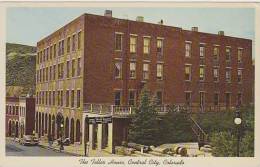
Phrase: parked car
pixel 65 142
pixel 29 140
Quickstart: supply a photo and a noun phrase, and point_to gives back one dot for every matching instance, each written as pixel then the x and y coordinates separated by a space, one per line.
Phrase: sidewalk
pixel 75 150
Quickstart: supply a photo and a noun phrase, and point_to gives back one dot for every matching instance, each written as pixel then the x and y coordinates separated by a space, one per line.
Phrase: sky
pixel 29 25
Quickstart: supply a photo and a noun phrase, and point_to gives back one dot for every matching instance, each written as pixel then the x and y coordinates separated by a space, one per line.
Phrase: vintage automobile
pixel 29 140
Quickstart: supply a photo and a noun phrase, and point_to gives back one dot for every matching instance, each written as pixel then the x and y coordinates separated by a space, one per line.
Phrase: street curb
pixel 57 150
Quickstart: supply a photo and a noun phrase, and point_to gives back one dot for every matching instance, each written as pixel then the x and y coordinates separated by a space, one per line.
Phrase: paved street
pixel 15 149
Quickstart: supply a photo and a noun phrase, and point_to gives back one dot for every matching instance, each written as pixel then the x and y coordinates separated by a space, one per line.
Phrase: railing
pixel 199 132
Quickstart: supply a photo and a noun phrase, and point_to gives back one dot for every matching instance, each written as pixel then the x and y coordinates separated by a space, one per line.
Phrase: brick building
pixel 97 60
pixel 20 116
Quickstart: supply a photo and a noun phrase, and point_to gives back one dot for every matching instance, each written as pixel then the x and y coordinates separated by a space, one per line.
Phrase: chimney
pixel 160 22
pixel 140 18
pixel 221 33
pixel 195 29
pixel 108 13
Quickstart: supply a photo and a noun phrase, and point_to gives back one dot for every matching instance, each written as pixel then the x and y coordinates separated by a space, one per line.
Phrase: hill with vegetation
pixel 20 68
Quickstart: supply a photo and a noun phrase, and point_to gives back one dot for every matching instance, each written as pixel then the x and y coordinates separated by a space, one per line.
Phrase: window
pixel 50 73
pixel 118 41
pixel 145 71
pixel 228 100
pixel 131 99
pixel 239 75
pixel 79 40
pixel 67 98
pixel 78 67
pixel 118 70
pixel 239 99
pixel 202 99
pixel 159 71
pixel 216 54
pixel 60 70
pixel 146 48
pixel 202 73
pixel 188 98
pixel 228 75
pixel 228 54
pixel 59 49
pixel 46 97
pixel 202 51
pixel 61 97
pixel 54 51
pixel 73 68
pixel 62 47
pixel 49 98
pixel 216 74
pixel 54 72
pixel 68 44
pixel 51 52
pixel 132 70
pixel 47 72
pixel 188 49
pixel 133 44
pixel 47 54
pixel 239 55
pixel 72 98
pixel 117 98
pixel 68 69
pixel 160 47
pixel 78 98
pixel 53 98
pixel 73 42
pixel 159 97
pixel 216 99
pixel 44 74
pixel 188 72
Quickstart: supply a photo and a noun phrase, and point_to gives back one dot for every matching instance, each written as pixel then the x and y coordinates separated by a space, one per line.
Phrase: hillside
pixel 20 67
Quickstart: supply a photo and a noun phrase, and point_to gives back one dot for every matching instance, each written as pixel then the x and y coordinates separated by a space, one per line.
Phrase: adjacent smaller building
pixel 20 113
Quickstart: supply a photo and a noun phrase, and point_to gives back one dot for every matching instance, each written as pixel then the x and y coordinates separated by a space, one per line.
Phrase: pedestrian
pixel 50 141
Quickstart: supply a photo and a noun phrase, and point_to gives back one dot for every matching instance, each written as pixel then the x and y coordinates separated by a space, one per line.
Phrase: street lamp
pixel 61 143
pixel 238 122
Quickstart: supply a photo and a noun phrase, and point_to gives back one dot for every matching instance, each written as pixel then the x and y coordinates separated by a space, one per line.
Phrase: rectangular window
pixel 188 72
pixel 228 75
pixel 228 100
pixel 239 75
pixel 79 40
pixel 228 54
pixel 187 49
pixel 216 74
pixel 118 70
pixel 159 47
pixel 78 98
pixel 132 70
pixel 159 71
pixel 133 44
pixel 72 98
pixel 73 42
pixel 78 67
pixel 68 69
pixel 59 48
pixel 131 99
pixel 68 44
pixel 239 55
pixel 46 97
pixel 145 71
pixel 202 51
pixel 49 98
pixel 202 99
pixel 239 99
pixel 146 48
pixel 159 97
pixel 216 54
pixel 202 73
pixel 117 98
pixel 54 72
pixel 67 98
pixel 50 73
pixel 73 70
pixel 216 99
pixel 118 42
pixel 51 52
pixel 61 97
pixel 62 47
pixel 53 97
pixel 58 98
pixel 47 72
pixel 54 51
pixel 44 75
pixel 47 54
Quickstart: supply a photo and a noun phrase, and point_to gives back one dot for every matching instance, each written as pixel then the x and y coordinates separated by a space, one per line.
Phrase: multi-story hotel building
pixel 97 60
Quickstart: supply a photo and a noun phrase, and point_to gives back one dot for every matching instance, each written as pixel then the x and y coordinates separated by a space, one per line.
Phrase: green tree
pixel 144 128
